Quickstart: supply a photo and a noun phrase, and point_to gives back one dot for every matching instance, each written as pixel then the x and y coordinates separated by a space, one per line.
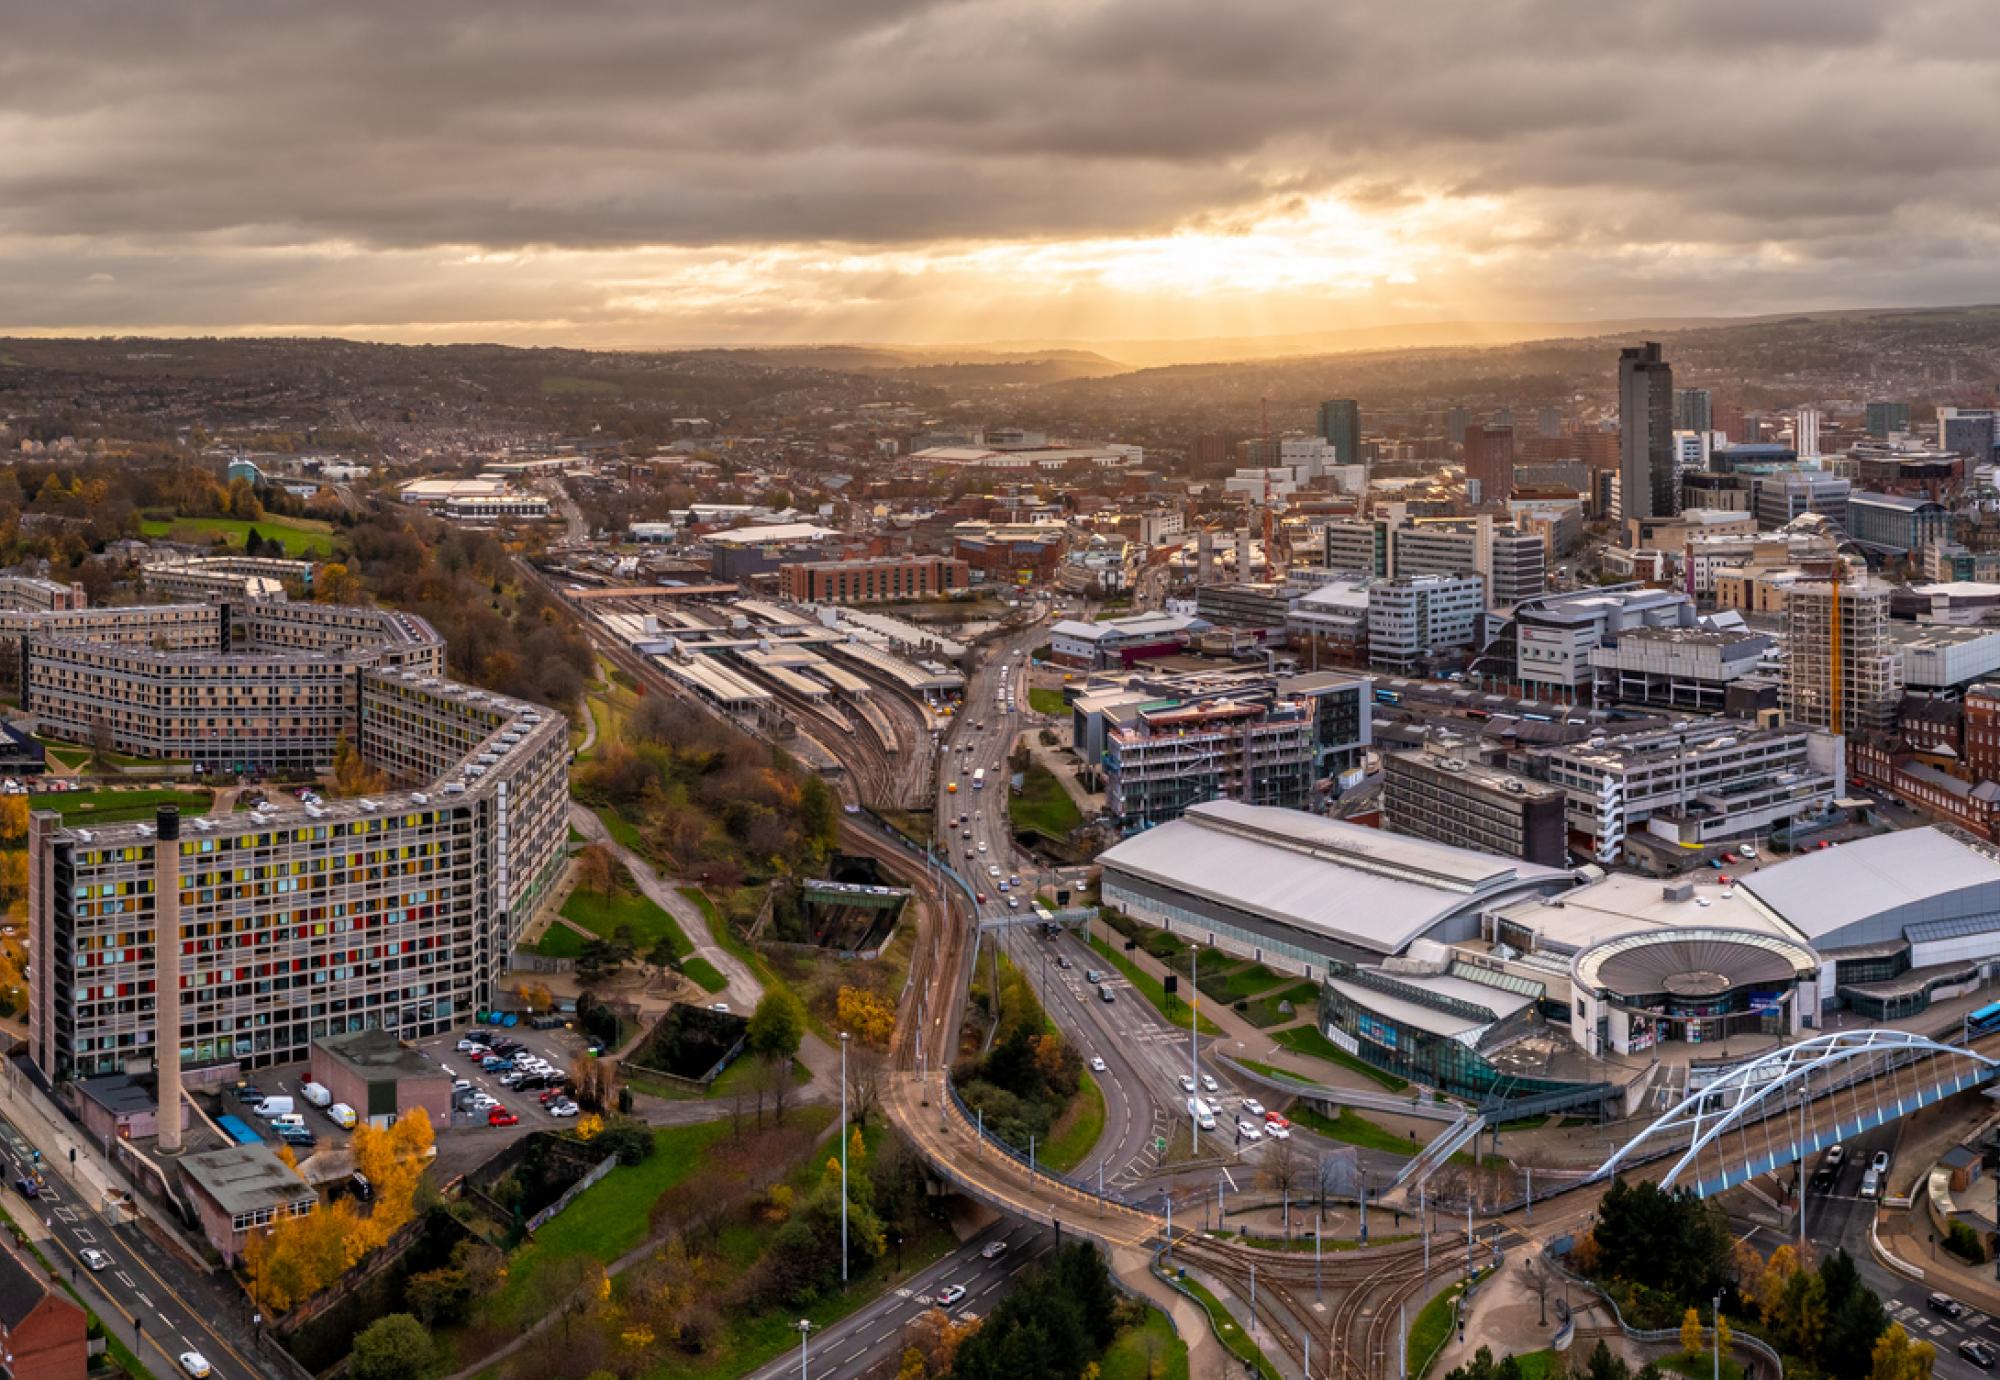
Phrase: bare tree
pixel 1284 1169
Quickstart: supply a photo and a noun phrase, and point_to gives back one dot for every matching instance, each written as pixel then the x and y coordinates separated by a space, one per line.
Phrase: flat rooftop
pixel 1926 870
pixel 377 1051
pixel 1363 887
pixel 244 1178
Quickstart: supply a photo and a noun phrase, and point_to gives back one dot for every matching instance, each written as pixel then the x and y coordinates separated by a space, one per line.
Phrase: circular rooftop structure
pixel 1690 964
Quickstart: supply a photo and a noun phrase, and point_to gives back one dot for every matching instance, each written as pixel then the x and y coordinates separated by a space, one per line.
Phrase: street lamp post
pixel 804 1325
pixel 843 1157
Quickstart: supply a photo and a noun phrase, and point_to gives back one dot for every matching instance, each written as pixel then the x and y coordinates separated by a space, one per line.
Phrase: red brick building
pixel 874 579
pixel 1982 731
pixel 1489 458
pixel 43 1334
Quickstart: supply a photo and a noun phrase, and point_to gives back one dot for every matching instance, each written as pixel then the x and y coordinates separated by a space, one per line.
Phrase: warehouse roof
pixel 1361 886
pixel 1825 891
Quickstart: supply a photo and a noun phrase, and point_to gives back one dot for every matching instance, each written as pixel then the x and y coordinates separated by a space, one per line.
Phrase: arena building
pixel 396 912
pixel 1696 985
pixel 1299 893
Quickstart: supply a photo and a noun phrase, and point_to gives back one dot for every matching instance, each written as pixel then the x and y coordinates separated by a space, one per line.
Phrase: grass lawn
pixel 626 905
pixel 621 829
pixel 1700 1367
pixel 1535 1364
pixel 301 536
pixel 1307 1040
pixel 703 974
pixel 1148 986
pixel 68 756
pixel 1231 983
pixel 609 712
pixel 1354 1129
pixel 109 807
pixel 1077 1130
pixel 1043 805
pixel 1328 1244
pixel 1045 701
pixel 1147 1351
pixel 1429 1331
pixel 1231 1332
pixel 559 941
pixel 1264 1010
pixel 609 1218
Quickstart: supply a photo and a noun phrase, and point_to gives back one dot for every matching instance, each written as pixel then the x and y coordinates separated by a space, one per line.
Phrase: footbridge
pixel 1797 1100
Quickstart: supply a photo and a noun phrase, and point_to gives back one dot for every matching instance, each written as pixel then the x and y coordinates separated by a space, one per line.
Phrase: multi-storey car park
pixel 395 912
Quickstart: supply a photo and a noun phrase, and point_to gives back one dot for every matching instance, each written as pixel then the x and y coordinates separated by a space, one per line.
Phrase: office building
pixel 1942 661
pixel 1895 525
pixel 1778 498
pixel 1163 758
pixel 874 579
pixel 1692 411
pixel 1258 607
pixel 1886 419
pixel 1359 546
pixel 1554 635
pixel 1340 427
pixel 1456 420
pixel 1911 470
pixel 396 912
pixel 1645 428
pixel 1693 783
pixel 1489 464
pixel 1445 793
pixel 1860 697
pixel 1684 669
pixel 1805 432
pixel 1968 431
pixel 1417 620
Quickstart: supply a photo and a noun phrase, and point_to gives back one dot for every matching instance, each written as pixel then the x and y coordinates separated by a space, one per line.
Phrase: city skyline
pixel 904 171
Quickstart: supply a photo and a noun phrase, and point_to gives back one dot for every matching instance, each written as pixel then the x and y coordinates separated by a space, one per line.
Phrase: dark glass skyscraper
pixel 1645 432
pixel 1340 424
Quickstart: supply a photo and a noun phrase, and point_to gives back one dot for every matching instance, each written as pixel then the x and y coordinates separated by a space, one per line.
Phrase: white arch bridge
pixel 1794 1101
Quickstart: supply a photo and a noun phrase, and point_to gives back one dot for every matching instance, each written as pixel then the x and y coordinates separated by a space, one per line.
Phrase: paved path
pixel 745 990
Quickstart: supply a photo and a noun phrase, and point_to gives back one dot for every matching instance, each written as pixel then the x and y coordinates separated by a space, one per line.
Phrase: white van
pixel 343 1116
pixel 317 1094
pixel 1203 1114
pixel 273 1107
pixel 279 1123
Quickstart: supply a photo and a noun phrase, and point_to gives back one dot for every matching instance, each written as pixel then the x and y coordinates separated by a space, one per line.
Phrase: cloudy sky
pixel 684 171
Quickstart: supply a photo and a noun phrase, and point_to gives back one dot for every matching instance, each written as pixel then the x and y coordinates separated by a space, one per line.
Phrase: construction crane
pixel 1833 647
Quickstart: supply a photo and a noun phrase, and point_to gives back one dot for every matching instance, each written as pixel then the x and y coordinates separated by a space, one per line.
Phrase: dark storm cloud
pixel 166 141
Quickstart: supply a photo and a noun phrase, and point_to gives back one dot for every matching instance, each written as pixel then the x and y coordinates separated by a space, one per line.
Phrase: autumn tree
pixel 1691 1332
pixel 1897 1357
pixel 352 775
pixel 13 817
pixel 334 583
pixel 867 1014
pixel 596 870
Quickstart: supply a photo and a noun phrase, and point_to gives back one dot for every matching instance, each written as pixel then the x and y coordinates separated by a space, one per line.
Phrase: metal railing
pixel 1022 1157
pixel 1765 1353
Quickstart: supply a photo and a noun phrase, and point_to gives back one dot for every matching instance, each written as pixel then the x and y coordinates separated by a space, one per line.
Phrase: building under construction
pixel 1842 672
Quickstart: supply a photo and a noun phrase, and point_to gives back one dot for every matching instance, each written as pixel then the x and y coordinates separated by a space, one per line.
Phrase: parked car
pixel 1880 1162
pixel 500 1116
pixel 563 1108
pixel 249 1094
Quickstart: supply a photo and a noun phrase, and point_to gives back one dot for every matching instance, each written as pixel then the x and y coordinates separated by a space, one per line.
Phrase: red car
pixel 1277 1119
pixel 500 1116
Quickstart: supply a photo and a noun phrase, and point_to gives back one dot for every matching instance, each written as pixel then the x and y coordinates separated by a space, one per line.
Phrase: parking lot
pixel 469 1140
